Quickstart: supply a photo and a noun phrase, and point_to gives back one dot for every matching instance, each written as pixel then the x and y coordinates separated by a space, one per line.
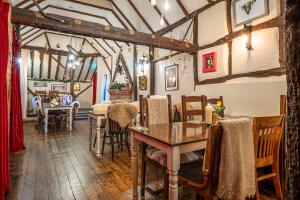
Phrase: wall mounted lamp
pixel 248 35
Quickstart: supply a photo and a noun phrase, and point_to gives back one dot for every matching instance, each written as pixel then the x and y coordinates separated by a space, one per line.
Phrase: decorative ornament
pixel 58 45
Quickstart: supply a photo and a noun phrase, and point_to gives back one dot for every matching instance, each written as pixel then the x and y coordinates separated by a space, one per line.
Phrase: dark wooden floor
pixel 60 166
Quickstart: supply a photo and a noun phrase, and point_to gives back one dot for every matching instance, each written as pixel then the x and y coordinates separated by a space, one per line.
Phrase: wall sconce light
pixel 248 36
pixel 142 61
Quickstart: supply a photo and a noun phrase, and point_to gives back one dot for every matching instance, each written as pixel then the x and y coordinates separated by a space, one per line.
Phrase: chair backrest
pixel 67 99
pixel 186 114
pixel 214 101
pixel 144 110
pixel 76 106
pixel 267 133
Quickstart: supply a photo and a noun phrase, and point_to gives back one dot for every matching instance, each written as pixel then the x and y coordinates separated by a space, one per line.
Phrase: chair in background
pixel 42 94
pixel 41 117
pixel 188 114
pixel 64 116
pixel 151 155
pixel 267 132
pixel 214 101
pixel 204 180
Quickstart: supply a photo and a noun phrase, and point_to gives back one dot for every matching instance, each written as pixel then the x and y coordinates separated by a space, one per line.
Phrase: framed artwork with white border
pixel 245 11
pixel 171 77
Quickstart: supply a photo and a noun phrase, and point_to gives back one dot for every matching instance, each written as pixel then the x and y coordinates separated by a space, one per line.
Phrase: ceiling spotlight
pixel 162 20
pixel 153 2
pixel 167 5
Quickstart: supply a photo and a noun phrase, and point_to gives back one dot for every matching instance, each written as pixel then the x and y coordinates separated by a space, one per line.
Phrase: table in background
pixel 174 139
pixel 48 106
pixel 98 118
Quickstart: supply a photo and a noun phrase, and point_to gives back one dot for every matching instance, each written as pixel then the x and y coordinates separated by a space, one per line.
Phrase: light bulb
pixel 71 57
pixel 153 2
pixel 77 63
pixel 162 20
pixel 20 61
pixel 167 5
pixel 70 65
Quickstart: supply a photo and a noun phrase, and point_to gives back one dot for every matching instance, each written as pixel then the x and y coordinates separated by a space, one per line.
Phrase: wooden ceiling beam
pixel 59 52
pixel 187 18
pixel 102 46
pixel 122 14
pixel 102 8
pixel 32 35
pixel 83 63
pixel 21 3
pixel 90 66
pixel 140 15
pixel 90 29
pixel 111 48
pixel 160 13
pixel 22 34
pixel 32 4
pixel 185 12
pixel 78 12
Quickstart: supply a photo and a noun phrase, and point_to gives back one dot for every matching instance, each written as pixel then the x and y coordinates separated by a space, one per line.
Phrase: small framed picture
pixel 209 62
pixel 59 87
pixel 76 86
pixel 245 11
pixel 171 77
pixel 40 84
pixel 143 82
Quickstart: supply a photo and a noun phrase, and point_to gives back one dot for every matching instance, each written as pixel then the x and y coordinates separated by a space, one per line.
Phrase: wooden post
pixel 152 71
pixel 195 56
pixel 292 137
pixel 135 65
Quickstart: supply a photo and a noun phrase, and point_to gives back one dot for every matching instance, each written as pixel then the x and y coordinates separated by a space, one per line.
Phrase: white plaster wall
pixel 243 96
pixel 23 81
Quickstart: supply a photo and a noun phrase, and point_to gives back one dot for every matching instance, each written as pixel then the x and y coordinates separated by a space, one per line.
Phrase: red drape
pixel 4 143
pixel 16 121
pixel 94 88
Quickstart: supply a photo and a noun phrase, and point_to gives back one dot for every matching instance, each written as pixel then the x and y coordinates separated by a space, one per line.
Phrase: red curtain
pixel 94 88
pixel 4 141
pixel 16 121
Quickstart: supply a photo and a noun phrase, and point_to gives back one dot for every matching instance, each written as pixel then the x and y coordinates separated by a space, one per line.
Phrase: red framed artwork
pixel 209 62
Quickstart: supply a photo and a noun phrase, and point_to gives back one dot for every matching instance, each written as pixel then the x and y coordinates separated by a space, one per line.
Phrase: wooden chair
pixel 187 114
pixel 41 118
pixel 267 133
pixel 144 120
pixel 204 180
pixel 64 116
pixel 115 132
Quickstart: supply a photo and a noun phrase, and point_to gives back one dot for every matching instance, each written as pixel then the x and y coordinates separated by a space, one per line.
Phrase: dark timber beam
pixel 229 28
pixel 22 3
pixel 32 62
pixel 152 71
pixel 187 18
pixel 140 15
pixel 111 48
pixel 47 39
pixel 135 65
pixel 126 19
pixel 60 52
pixel 90 66
pixel 57 68
pixel 49 66
pixel 90 29
pixel 102 46
pixel 166 57
pixel 83 63
pixel 195 56
pixel 41 64
pixel 160 13
pixel 33 37
pixel 182 7
pixel 27 31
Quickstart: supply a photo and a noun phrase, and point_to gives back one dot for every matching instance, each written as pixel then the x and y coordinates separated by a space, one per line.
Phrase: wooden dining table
pixel 174 139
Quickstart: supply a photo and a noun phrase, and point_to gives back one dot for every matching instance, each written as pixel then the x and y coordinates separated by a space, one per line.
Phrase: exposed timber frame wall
pixel 228 39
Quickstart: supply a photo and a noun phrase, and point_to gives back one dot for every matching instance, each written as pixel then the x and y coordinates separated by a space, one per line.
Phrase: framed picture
pixel 171 77
pixel 245 11
pixel 59 87
pixel 143 82
pixel 209 62
pixel 40 84
pixel 76 86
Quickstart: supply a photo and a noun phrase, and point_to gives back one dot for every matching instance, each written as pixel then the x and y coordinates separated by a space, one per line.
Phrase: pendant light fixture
pixel 153 2
pixel 167 5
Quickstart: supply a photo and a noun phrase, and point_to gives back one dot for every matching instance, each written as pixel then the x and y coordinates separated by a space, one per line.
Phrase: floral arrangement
pixel 117 86
pixel 218 108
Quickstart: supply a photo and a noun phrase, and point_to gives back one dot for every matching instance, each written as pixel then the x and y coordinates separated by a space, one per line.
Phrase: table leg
pixel 71 119
pixel 173 165
pixel 98 138
pixel 134 167
pixel 90 132
pixel 46 121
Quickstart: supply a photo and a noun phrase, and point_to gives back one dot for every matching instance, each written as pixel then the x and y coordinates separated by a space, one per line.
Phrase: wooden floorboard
pixel 60 166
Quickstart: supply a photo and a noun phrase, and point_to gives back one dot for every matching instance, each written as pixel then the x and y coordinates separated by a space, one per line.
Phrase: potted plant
pixel 218 111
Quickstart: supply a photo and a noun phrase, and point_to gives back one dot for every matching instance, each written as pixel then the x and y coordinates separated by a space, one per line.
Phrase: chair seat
pixel 192 171
pixel 161 156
